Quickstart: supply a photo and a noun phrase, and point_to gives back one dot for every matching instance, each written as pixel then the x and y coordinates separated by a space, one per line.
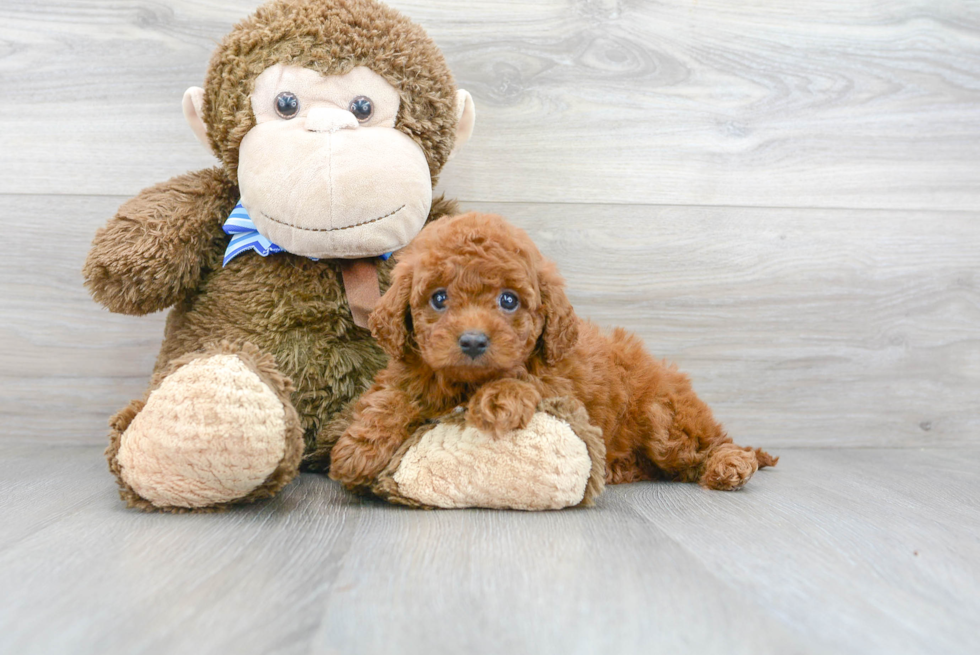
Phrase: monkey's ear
pixel 465 120
pixel 193 105
pixel 390 322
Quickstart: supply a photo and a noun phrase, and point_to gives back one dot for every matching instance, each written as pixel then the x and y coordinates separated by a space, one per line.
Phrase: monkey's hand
pixel 502 405
pixel 157 245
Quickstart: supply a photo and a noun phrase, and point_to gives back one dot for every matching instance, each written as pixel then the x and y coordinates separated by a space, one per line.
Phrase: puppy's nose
pixel 473 343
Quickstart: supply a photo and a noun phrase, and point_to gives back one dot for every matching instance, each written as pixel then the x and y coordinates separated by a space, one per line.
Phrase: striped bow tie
pixel 245 236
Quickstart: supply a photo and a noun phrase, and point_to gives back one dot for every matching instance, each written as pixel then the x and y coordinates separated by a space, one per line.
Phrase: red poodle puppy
pixel 476 317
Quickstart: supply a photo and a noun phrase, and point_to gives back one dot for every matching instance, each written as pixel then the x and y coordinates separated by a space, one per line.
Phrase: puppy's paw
pixel 728 468
pixel 502 406
pixel 356 463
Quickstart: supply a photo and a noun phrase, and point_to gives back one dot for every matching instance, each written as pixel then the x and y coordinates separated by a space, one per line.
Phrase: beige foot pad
pixel 212 432
pixel 557 461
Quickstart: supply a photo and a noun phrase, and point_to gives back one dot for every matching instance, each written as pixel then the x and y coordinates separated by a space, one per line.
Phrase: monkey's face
pixel 324 173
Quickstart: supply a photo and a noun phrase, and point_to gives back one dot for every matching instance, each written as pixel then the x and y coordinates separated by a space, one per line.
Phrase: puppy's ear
pixel 560 323
pixel 391 320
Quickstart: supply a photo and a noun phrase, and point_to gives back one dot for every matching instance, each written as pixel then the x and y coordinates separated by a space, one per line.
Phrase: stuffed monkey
pixel 331 120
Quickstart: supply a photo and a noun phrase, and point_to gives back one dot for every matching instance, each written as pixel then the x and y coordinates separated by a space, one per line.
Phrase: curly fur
pixel 652 422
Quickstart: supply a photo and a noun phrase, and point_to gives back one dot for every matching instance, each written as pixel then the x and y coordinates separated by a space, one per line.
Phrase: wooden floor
pixel 834 551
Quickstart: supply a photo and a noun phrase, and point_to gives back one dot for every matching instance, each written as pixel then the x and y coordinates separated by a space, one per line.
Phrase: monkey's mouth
pixel 332 229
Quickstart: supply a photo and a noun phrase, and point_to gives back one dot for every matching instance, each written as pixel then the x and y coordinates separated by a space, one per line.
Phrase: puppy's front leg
pixel 383 420
pixel 502 405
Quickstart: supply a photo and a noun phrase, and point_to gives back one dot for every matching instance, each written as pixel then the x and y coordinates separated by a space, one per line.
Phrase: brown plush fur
pixel 164 247
pixel 652 422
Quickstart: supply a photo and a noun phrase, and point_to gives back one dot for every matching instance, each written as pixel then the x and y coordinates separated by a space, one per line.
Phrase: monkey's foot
pixel 217 428
pixel 557 461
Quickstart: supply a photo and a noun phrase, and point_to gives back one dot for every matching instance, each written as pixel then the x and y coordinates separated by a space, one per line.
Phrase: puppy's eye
pixel 287 105
pixel 438 300
pixel 362 108
pixel 508 301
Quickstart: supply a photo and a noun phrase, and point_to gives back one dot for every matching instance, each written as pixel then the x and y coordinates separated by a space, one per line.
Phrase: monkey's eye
pixel 287 105
pixel 362 108
pixel 438 300
pixel 508 301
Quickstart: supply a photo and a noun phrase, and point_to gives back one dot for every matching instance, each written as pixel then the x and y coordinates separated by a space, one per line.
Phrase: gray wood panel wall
pixel 781 197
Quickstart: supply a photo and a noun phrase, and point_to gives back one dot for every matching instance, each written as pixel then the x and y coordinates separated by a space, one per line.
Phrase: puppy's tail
pixel 765 459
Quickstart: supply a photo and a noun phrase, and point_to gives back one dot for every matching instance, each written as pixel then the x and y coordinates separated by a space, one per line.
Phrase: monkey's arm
pixel 157 245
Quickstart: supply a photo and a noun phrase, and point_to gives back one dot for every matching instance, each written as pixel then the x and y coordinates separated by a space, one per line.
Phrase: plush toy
pixel 331 120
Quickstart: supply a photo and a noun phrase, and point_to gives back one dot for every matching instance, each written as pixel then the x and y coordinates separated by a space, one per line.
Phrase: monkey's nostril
pixel 473 343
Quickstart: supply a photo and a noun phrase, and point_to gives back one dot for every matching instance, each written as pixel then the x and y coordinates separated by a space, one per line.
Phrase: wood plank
pixel 567 582
pixel 117 581
pixel 831 104
pixel 834 551
pixel 861 547
pixel 845 566
pixel 41 485
pixel 800 327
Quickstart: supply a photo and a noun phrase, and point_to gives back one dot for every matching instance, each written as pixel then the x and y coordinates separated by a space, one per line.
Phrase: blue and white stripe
pixel 245 236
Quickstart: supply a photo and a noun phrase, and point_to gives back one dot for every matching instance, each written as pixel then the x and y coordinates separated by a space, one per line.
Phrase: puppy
pixel 476 317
